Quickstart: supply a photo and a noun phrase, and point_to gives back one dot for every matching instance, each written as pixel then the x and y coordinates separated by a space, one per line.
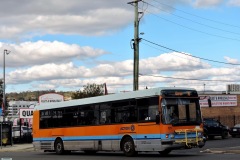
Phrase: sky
pixel 64 45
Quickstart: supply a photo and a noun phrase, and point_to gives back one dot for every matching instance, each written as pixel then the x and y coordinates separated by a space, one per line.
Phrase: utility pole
pixel 4 84
pixel 136 45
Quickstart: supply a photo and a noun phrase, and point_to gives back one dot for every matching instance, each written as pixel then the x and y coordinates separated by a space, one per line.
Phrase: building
pixel 15 106
pixel 225 106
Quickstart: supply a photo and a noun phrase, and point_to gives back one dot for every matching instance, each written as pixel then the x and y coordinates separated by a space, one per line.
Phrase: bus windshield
pixel 181 111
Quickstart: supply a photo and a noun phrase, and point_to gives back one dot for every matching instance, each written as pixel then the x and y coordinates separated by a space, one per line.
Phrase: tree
pixel 1 92
pixel 89 90
pixel 5 112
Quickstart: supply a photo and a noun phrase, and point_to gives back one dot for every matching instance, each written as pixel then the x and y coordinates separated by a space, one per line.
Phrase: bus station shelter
pixel 5 133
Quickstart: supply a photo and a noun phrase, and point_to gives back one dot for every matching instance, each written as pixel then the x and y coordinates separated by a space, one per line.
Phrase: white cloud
pixel 41 52
pixel 171 62
pixel 234 3
pixel 231 60
pixel 79 17
pixel 207 3
pixel 68 73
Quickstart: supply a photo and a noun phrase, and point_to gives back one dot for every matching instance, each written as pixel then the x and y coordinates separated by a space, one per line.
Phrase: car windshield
pixel 18 128
pixel 181 111
pixel 24 128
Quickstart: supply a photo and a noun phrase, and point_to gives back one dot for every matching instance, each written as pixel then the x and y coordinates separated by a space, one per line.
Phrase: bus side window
pixel 143 114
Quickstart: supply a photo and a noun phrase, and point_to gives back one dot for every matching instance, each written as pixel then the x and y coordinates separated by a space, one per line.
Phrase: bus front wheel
pixel 59 149
pixel 128 147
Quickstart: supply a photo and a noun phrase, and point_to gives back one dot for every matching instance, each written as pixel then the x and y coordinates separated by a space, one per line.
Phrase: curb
pixel 221 151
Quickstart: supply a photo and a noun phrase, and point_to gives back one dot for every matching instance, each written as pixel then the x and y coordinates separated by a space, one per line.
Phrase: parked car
pixel 213 128
pixel 235 131
pixel 26 133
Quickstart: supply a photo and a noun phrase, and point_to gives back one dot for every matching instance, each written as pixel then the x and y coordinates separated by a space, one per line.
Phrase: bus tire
pixel 58 146
pixel 128 147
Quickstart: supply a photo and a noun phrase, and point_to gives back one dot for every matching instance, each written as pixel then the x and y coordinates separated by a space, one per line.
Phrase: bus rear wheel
pixel 58 146
pixel 128 147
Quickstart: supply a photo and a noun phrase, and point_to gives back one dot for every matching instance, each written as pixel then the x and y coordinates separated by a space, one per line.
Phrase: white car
pixel 16 132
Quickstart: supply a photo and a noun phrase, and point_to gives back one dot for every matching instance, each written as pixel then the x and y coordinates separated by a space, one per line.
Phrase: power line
pixel 193 20
pixel 189 79
pixel 226 24
pixel 187 54
pixel 193 29
pixel 164 51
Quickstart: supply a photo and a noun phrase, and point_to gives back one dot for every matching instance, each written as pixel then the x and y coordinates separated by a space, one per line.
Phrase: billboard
pixel 26 113
pixel 50 98
pixel 218 100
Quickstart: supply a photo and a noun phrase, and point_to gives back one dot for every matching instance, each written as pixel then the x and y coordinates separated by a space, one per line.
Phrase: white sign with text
pixel 50 98
pixel 26 113
pixel 218 100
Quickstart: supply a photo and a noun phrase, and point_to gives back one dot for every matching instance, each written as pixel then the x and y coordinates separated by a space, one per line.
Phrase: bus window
pixel 105 113
pixel 180 111
pixel 125 111
pixel 148 108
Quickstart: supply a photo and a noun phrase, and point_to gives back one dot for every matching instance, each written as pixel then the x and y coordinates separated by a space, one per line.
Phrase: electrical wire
pixel 190 79
pixel 194 15
pixel 164 51
pixel 193 20
pixel 193 29
pixel 187 54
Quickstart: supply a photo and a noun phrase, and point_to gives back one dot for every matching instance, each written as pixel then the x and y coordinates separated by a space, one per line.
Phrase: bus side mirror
pixel 209 103
pixel 158 119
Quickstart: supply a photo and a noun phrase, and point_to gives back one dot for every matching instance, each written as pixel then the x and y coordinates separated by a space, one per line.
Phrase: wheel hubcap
pixel 59 147
pixel 127 146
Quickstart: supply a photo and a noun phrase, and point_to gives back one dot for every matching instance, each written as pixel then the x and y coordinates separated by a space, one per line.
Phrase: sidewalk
pixel 17 147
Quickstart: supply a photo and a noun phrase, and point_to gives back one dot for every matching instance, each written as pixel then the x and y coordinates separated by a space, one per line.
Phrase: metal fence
pixel 229 120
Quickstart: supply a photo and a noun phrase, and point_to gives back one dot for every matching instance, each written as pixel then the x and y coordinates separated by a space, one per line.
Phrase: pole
pixel 4 84
pixel 136 48
pixel 3 106
pixel 1 122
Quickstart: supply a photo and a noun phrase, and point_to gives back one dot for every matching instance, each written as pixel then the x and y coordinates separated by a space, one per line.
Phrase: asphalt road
pixel 191 154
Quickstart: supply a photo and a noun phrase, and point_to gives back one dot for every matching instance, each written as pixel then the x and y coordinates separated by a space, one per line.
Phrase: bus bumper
pixel 182 144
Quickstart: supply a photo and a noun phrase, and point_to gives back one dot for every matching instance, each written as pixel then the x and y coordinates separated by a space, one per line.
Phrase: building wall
pixel 228 115
pixel 15 106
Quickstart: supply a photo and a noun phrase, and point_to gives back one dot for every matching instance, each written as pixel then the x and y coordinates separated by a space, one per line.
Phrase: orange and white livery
pixel 159 119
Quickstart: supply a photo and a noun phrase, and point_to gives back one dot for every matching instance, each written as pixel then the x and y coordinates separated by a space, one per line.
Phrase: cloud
pixel 207 3
pixel 66 72
pixel 79 17
pixel 41 52
pixel 234 3
pixel 171 62
pixel 231 60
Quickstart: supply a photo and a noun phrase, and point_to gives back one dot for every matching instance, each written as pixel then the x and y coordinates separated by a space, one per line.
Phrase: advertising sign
pixel 26 113
pixel 50 98
pixel 218 100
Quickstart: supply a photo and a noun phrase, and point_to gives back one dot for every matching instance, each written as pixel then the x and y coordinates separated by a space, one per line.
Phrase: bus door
pixel 148 131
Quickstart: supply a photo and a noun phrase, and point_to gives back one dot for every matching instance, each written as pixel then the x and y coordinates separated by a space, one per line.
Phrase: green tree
pixel 89 90
pixel 5 112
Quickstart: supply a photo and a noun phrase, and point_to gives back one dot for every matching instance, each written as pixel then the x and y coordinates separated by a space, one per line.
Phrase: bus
pixel 151 120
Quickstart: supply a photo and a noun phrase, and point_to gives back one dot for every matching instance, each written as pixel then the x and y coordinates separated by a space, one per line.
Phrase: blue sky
pixel 64 46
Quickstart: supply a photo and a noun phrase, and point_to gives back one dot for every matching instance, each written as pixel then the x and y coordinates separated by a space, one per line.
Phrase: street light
pixel 4 52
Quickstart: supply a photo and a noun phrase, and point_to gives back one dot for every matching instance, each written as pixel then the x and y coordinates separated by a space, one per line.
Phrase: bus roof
pixel 108 98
